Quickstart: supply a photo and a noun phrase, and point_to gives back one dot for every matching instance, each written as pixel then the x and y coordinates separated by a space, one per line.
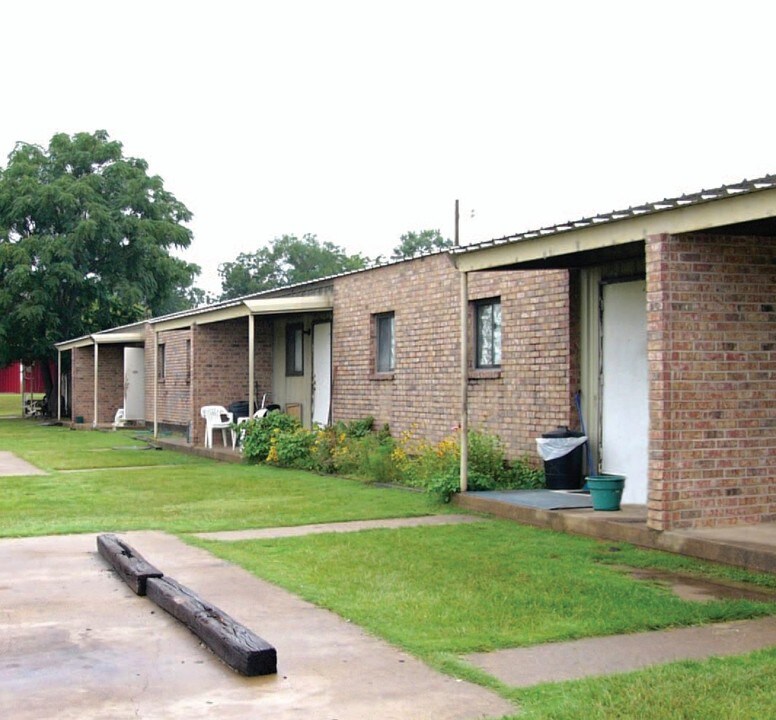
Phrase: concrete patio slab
pixel 555 662
pixel 76 642
pixel 12 465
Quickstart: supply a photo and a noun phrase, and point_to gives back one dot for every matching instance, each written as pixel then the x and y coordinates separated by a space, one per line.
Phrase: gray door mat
pixel 542 499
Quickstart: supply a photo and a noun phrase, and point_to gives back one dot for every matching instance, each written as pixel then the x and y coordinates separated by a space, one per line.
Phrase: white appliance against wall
pixel 321 391
pixel 624 387
pixel 134 383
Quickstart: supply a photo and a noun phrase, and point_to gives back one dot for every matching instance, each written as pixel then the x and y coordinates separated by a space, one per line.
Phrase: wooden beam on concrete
pixel 132 567
pixel 235 644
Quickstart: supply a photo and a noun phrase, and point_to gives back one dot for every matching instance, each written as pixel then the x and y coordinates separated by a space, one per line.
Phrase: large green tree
pixel 416 243
pixel 285 261
pixel 85 241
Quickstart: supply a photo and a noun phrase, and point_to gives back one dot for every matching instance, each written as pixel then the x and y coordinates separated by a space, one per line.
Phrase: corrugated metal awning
pixel 743 202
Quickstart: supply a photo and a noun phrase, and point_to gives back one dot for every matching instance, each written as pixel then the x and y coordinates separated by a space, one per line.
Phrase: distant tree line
pixel 288 260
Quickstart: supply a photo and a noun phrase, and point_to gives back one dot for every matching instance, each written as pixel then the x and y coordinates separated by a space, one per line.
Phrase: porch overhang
pixel 289 305
pixel 102 339
pixel 555 247
pixel 253 306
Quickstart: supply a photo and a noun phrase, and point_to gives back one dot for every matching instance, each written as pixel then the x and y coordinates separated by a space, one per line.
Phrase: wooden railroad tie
pixel 131 566
pixel 236 645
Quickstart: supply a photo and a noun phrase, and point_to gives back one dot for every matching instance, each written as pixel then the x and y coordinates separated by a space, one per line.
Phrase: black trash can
pixel 565 472
pixel 239 409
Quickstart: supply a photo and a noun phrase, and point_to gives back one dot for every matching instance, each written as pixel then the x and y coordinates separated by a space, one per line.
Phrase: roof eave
pixel 691 218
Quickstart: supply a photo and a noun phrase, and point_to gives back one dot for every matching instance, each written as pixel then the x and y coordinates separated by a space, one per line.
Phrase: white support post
pixel 59 384
pixel 251 365
pixel 96 381
pixel 156 383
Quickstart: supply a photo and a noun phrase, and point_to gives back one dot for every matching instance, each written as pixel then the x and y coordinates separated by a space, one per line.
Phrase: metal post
pixel 464 441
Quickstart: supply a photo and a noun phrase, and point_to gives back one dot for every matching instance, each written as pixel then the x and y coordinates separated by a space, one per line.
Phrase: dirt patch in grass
pixel 691 587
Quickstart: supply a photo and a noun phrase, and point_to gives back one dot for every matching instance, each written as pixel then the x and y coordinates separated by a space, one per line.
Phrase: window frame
pixel 294 349
pixel 495 344
pixel 379 321
pixel 188 361
pixel 161 362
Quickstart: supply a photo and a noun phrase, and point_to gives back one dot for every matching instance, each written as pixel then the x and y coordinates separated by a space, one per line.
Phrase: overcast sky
pixel 359 121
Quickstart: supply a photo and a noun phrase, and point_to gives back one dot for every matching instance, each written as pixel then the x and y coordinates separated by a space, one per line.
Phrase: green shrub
pixel 443 487
pixel 523 474
pixel 357 428
pixel 257 441
pixel 293 448
pixel 486 455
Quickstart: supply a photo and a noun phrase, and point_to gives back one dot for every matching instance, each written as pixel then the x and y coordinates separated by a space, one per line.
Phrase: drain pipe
pixel 464 423
pixel 464 440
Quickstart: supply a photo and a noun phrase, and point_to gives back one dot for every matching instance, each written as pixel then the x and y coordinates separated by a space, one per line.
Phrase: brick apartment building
pixel 661 317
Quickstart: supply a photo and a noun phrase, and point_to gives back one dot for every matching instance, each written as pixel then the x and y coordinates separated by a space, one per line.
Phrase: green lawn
pixel 10 405
pixel 439 592
pixel 169 490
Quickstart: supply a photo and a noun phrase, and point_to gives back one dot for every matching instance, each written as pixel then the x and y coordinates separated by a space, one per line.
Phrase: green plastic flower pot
pixel 606 491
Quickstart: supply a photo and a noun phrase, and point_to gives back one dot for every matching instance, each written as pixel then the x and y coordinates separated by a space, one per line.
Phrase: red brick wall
pixel 110 383
pixel 712 353
pixel 173 392
pixel 529 395
pixel 83 383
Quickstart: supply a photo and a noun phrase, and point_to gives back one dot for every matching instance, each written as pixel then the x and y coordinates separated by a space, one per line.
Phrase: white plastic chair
pixel 120 420
pixel 214 420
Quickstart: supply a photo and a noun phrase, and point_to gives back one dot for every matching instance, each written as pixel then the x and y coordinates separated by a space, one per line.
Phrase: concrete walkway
pixel 555 662
pixel 75 642
pixel 12 465
pixel 340 527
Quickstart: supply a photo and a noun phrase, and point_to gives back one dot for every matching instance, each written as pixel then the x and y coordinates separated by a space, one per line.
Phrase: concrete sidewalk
pixel 75 642
pixel 339 527
pixel 556 662
pixel 12 465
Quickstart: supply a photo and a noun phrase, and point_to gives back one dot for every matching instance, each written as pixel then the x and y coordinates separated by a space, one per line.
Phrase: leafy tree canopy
pixel 285 261
pixel 416 243
pixel 85 240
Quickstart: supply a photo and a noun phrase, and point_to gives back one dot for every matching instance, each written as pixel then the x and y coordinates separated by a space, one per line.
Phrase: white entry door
pixel 134 383
pixel 624 387
pixel 321 373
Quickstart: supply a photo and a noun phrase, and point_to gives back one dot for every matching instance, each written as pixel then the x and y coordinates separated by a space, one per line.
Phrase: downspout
pixel 251 366
pixel 96 383
pixel 464 423
pixel 464 441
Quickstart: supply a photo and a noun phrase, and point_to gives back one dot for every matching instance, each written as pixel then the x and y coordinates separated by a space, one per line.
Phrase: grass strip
pixel 714 689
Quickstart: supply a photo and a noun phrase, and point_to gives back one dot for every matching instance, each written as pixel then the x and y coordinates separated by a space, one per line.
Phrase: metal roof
pixel 698 198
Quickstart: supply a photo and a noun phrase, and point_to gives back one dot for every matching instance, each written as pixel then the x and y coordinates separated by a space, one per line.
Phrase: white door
pixel 624 387
pixel 321 373
pixel 134 383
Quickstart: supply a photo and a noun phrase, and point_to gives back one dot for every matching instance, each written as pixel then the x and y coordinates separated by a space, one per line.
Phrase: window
pixel 188 361
pixel 488 333
pixel 385 343
pixel 160 362
pixel 295 349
